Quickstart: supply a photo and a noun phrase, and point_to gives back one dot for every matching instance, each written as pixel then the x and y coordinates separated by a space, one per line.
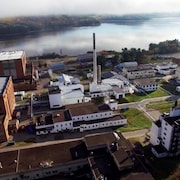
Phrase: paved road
pixel 153 115
pixel 137 133
pixel 50 138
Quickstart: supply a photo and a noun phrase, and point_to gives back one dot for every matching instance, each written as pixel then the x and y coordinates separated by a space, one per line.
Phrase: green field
pixel 136 121
pixel 163 106
pixel 140 96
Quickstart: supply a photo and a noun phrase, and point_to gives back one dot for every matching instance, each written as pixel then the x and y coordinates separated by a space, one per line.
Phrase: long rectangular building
pixel 82 117
pixel 96 153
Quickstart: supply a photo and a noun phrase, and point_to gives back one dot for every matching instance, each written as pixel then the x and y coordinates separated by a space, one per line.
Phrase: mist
pixel 13 8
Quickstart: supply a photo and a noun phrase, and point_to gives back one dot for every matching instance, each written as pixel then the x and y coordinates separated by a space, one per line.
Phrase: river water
pixel 108 37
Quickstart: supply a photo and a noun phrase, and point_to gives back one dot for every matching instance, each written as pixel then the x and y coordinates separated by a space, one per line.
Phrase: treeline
pixel 133 54
pixel 26 25
pixel 126 19
pixel 139 55
pixel 165 47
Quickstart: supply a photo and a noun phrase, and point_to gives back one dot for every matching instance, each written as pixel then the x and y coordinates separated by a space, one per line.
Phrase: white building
pixel 146 84
pixel 166 68
pixel 64 79
pixel 120 66
pixel 82 117
pixel 141 71
pixel 66 90
pixel 165 134
pixel 66 158
pixel 54 122
pixel 66 95
pixel 106 87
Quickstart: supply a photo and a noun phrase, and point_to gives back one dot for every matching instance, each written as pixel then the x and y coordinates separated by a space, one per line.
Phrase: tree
pixel 101 60
pixel 115 60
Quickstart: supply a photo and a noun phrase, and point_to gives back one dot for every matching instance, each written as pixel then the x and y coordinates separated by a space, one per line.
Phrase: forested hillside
pixel 26 25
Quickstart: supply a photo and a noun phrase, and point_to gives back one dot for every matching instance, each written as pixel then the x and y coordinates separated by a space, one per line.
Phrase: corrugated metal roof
pixel 10 55
pixel 73 94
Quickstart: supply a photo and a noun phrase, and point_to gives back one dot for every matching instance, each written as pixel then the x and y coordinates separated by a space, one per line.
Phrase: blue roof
pixel 57 66
pixel 3 82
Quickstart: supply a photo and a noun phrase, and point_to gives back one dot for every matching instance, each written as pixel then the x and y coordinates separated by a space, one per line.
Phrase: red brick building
pixel 13 63
pixel 7 105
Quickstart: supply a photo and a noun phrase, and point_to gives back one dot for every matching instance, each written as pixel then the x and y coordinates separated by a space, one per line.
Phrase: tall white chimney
pixel 94 60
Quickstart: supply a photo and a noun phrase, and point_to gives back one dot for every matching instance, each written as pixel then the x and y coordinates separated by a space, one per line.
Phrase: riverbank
pixel 23 26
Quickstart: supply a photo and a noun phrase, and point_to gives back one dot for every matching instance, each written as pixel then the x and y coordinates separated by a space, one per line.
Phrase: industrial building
pixel 106 87
pixel 141 71
pixel 7 105
pixel 66 90
pixel 96 156
pixel 81 117
pixel 165 134
pixel 147 85
pixel 166 68
pixel 13 63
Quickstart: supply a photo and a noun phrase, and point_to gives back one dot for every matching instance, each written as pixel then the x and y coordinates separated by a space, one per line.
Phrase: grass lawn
pixel 140 96
pixel 163 106
pixel 136 121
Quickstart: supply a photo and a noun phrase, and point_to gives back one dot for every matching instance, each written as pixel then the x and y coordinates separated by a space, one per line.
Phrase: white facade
pixel 139 72
pixel 148 88
pixel 165 134
pixel 70 92
pixel 55 100
pixel 65 80
pixel 113 82
pixel 94 116
pixel 54 128
pixel 86 127
pixel 100 90
pixel 109 87
pixel 58 100
pixel 166 69
pixel 147 85
pixel 155 134
pixel 113 105
pixel 83 121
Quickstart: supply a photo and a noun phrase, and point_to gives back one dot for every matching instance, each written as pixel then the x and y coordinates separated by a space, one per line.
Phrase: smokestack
pixel 99 73
pixel 94 60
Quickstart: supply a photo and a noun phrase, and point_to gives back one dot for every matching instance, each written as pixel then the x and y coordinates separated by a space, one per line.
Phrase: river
pixel 108 37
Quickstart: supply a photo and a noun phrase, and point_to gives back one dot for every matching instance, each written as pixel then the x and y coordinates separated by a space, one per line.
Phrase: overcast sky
pixel 9 8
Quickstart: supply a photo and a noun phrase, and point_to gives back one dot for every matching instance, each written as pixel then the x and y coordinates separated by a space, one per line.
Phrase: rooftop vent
pixel 116 135
pixel 46 164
